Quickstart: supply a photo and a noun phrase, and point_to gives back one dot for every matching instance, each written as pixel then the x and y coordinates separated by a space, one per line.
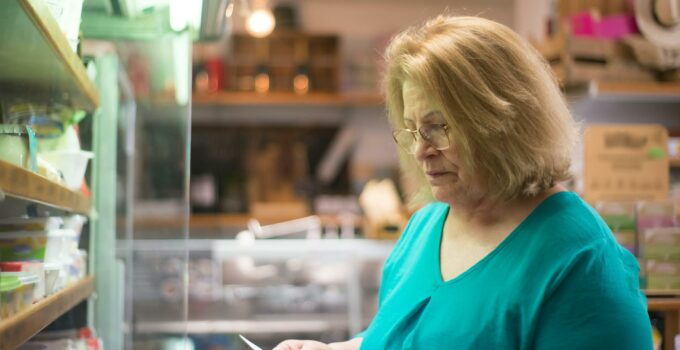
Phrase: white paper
pixel 251 344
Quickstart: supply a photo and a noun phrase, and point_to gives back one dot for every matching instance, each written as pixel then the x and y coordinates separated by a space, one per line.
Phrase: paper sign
pixel 626 162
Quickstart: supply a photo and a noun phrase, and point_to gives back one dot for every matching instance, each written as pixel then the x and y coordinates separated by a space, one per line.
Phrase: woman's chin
pixel 442 193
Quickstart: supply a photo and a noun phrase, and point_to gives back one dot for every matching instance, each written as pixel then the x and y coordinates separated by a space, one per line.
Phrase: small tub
pixel 23 246
pixel 27 269
pixel 26 291
pixel 9 296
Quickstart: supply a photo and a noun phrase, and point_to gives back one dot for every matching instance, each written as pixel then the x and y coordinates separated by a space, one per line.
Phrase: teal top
pixel 558 281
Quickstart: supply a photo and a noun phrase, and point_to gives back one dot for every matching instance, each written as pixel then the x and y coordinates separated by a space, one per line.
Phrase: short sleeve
pixel 596 304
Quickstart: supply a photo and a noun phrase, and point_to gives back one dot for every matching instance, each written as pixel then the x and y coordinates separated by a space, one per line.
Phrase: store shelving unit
pixel 19 182
pixel 287 99
pixel 675 163
pixel 636 91
pixel 313 323
pixel 37 58
pixel 39 66
pixel 18 329
pixel 217 221
pixel 670 307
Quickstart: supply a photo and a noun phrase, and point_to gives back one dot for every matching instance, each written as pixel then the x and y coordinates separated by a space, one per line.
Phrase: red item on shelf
pixel 215 69
pixel 10 266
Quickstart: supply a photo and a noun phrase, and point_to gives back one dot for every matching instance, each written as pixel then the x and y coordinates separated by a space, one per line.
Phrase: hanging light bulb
pixel 260 23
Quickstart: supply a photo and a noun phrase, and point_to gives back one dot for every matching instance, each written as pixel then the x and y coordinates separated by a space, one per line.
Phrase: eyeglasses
pixel 434 134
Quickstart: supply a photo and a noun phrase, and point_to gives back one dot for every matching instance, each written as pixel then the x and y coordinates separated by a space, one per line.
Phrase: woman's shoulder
pixel 566 218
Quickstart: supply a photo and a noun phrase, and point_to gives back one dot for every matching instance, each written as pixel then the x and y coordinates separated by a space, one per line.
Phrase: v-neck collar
pixel 505 242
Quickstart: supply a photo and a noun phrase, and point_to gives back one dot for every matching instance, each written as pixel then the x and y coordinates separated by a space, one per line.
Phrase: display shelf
pixel 675 163
pixel 669 305
pixel 22 183
pixel 638 91
pixel 19 328
pixel 287 99
pixel 663 303
pixel 217 221
pixel 37 61
pixel 313 323
pixel 655 293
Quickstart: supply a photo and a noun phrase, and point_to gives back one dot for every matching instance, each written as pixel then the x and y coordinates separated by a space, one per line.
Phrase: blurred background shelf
pixel 675 163
pixel 216 221
pixel 642 91
pixel 287 99
pixel 313 323
pixel 37 57
pixel 22 183
pixel 18 329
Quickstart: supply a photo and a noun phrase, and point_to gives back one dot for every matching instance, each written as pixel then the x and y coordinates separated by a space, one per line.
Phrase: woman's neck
pixel 484 212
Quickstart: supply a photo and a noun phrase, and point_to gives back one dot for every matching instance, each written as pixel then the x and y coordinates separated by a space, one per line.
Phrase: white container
pixel 52 279
pixel 62 244
pixel 72 165
pixel 75 223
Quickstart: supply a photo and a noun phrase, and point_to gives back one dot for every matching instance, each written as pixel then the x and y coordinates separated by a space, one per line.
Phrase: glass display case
pixel 265 289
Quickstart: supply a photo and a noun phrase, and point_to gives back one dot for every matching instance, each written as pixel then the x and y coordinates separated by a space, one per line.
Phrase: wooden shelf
pixel 22 183
pixel 20 328
pixel 217 221
pixel 675 163
pixel 287 99
pixel 663 304
pixel 639 91
pixel 37 61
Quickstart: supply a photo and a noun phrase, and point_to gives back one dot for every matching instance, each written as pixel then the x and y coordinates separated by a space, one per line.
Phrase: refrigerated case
pixel 266 289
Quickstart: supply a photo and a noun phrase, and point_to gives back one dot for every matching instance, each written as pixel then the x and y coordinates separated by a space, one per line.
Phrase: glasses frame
pixel 418 132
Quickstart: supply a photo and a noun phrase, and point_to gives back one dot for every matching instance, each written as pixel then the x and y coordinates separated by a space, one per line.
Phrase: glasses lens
pixel 405 140
pixel 435 134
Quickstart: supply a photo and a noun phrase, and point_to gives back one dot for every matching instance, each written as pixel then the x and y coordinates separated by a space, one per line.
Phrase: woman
pixel 502 257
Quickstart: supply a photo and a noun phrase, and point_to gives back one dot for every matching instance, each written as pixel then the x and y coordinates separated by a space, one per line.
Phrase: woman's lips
pixel 436 173
pixel 436 177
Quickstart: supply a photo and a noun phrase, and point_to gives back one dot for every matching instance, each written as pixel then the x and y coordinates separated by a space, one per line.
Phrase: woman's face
pixel 451 182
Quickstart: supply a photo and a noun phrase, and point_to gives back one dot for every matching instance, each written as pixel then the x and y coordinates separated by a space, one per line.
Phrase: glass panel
pixel 152 138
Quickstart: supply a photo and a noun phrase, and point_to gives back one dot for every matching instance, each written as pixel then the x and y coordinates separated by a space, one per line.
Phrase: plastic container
pixel 26 291
pixel 75 223
pixel 52 278
pixel 30 224
pixel 9 302
pixel 23 246
pixel 14 145
pixel 72 165
pixel 61 245
pixel 23 269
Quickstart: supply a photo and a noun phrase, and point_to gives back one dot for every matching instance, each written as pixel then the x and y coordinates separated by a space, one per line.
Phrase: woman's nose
pixel 424 149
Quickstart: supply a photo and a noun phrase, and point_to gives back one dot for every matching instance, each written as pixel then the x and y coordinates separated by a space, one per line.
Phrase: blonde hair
pixel 505 111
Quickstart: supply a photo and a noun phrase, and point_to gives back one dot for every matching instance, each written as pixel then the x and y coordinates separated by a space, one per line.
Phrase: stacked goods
pixel 620 217
pixel 44 139
pixel 659 245
pixel 38 256
pixel 600 40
